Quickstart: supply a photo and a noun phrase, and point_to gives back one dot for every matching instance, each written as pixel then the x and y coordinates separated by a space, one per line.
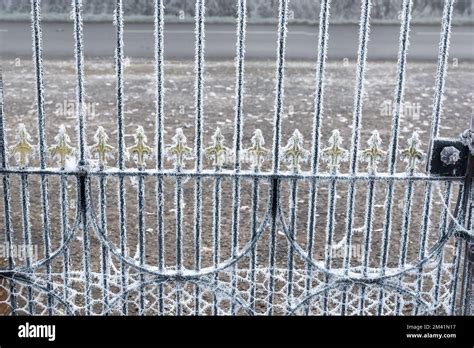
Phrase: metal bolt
pixel 450 155
pixel 467 138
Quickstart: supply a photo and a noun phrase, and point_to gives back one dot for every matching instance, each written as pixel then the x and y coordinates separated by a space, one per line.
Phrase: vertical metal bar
pixel 318 111
pixel 64 232
pixel 358 98
pixel 199 98
pixel 275 198
pixel 454 282
pixel 80 93
pixel 105 251
pixel 422 251
pixel 216 236
pixel 253 253
pixel 292 231
pixel 400 84
pixel 442 232
pixel 159 82
pixel 179 238
pixel 83 195
pixel 118 20
pixel 159 141
pixel 359 89
pixel 387 229
pixel 6 198
pixel 393 147
pixel 235 236
pixel 199 70
pixel 25 200
pixel 82 143
pixel 367 239
pixel 123 244
pixel 3 143
pixel 465 300
pixel 238 124
pixel 331 221
pixel 279 90
pixel 405 232
pixel 357 115
pixel 442 66
pixel 239 83
pixel 141 238
pixel 310 236
pixel 457 254
pixel 197 235
pixel 38 62
pixel 468 283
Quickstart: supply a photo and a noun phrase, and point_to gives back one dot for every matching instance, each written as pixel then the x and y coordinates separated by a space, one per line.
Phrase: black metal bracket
pixel 449 157
pixel 470 252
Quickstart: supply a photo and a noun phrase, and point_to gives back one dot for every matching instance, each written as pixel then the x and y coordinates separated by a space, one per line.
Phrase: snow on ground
pixel 218 111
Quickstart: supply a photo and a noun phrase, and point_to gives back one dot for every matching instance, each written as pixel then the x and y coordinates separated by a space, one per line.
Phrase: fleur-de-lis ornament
pixel 140 151
pixel 101 149
pixel 335 154
pixel 61 151
pixel 217 152
pixel 293 152
pixel 179 151
pixel 257 153
pixel 412 154
pixel 373 154
pixel 23 149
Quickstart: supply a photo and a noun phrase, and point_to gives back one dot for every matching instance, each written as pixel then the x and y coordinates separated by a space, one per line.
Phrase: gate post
pixel 468 276
pixel 469 303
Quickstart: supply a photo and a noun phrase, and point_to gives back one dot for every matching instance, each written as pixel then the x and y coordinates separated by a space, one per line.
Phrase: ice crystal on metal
pixel 140 151
pixel 413 154
pixel 179 151
pixel 217 152
pixel 257 153
pixel 374 154
pixel 335 154
pixel 62 150
pixel 294 153
pixel 101 149
pixel 23 149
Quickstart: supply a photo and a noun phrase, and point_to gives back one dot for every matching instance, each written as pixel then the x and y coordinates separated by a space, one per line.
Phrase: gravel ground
pixel 218 111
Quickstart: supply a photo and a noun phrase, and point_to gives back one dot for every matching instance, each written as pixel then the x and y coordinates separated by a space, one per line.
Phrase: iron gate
pixel 305 257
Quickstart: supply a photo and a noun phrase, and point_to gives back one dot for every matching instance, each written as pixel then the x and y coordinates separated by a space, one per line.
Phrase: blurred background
pixel 258 10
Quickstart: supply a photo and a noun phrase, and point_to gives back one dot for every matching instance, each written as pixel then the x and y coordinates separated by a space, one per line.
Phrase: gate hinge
pixel 449 157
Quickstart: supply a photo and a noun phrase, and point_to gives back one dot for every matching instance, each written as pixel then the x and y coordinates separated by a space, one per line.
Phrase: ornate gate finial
pixel 294 152
pixel 256 153
pixel 179 152
pixel 413 154
pixel 374 154
pixel 335 154
pixel 101 149
pixel 23 149
pixel 61 150
pixel 217 152
pixel 140 151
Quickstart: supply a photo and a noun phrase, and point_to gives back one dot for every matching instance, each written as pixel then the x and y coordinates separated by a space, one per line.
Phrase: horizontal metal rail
pixel 270 269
